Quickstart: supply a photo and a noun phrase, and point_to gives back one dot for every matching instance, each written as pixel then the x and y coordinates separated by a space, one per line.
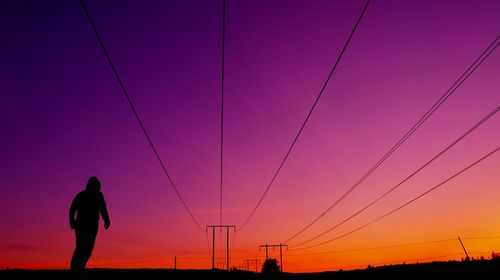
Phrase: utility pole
pixel 227 242
pixel 175 263
pixel 256 261
pixel 267 246
pixel 466 255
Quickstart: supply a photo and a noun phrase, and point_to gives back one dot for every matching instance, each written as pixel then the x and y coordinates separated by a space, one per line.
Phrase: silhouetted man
pixel 87 205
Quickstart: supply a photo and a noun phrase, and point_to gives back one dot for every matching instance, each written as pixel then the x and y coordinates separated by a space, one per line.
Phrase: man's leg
pixel 90 236
pixel 76 260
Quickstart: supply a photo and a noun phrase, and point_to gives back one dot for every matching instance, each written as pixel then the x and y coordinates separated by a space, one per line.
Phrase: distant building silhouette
pixel 87 205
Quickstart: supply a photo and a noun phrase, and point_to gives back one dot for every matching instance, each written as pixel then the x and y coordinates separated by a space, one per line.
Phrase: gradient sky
pixel 63 119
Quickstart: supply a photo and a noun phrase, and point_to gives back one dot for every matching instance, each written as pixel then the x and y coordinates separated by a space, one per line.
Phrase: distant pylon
pixel 227 242
pixel 267 246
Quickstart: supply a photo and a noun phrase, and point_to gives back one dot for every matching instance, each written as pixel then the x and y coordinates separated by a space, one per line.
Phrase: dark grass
pixel 479 269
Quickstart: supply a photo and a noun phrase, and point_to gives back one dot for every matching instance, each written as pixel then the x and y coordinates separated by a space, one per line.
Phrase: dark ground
pixel 486 269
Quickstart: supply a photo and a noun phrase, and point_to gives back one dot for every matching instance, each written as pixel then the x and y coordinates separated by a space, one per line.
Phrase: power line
pixel 136 114
pixel 405 204
pixel 377 248
pixel 478 124
pixel 480 237
pixel 308 116
pixel 419 243
pixel 431 110
pixel 222 105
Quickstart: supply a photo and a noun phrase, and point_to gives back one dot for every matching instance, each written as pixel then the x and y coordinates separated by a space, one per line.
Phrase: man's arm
pixel 72 211
pixel 104 212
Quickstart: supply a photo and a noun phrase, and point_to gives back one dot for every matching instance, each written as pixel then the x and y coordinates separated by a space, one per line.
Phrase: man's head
pixel 93 184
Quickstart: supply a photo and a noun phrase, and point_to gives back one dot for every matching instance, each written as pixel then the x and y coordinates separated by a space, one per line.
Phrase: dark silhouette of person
pixel 87 206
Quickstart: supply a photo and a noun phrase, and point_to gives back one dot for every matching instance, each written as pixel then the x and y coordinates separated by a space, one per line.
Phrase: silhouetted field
pixel 446 270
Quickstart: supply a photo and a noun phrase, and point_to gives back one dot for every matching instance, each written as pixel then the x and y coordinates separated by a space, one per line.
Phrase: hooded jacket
pixel 88 204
